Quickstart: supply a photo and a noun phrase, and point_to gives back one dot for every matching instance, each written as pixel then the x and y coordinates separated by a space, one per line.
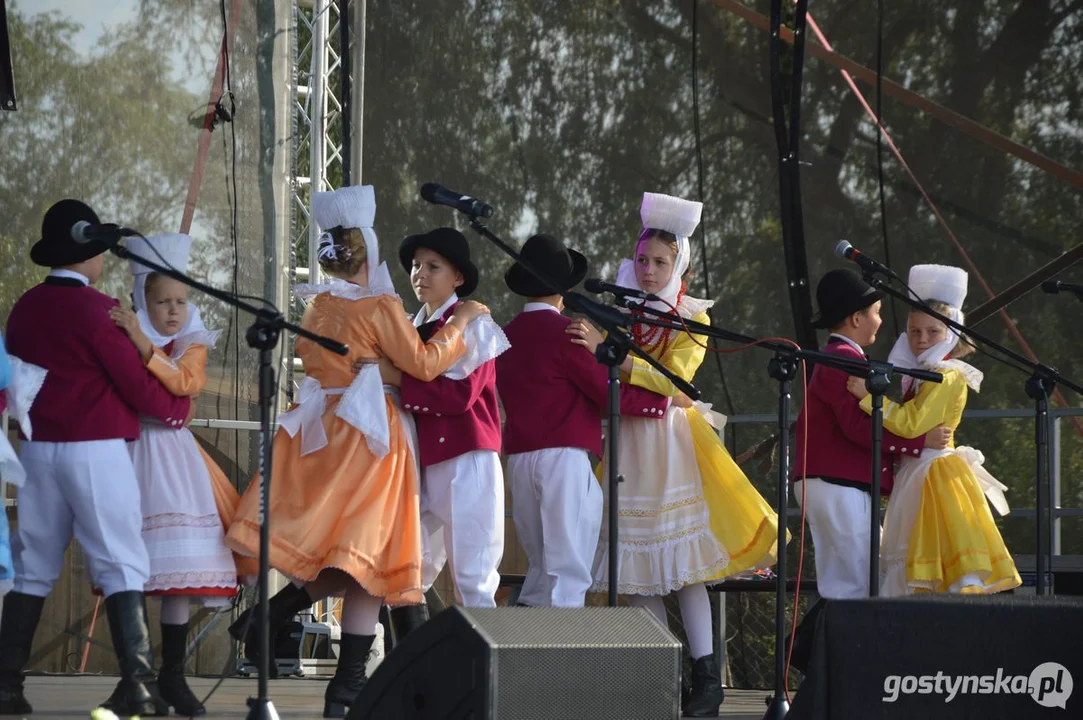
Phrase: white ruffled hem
pixel 663 567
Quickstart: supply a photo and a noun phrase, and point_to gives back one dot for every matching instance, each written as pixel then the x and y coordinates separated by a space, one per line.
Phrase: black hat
pixel 840 294
pixel 57 247
pixel 449 243
pixel 549 256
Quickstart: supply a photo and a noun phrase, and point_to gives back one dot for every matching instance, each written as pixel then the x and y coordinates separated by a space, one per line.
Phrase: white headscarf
pixel 173 249
pixel 680 217
pixel 948 285
pixel 353 207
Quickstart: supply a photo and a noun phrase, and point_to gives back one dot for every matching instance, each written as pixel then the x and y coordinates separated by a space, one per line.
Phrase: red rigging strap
pixel 909 97
pixel 204 148
pixel 1008 322
pixel 845 65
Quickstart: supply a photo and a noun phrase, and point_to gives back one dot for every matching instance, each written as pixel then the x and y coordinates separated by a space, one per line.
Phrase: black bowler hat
pixel 57 247
pixel 840 294
pixel 549 256
pixel 449 243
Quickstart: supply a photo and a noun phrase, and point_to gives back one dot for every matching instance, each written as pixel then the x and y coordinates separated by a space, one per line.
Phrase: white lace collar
pixel 341 289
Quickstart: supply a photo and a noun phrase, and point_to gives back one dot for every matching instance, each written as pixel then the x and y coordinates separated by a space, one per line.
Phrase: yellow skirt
pixel 955 545
pixel 744 523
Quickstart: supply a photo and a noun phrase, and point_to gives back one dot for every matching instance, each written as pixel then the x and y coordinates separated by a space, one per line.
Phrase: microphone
pixel 84 232
pixel 597 286
pixel 437 194
pixel 1055 286
pixel 846 251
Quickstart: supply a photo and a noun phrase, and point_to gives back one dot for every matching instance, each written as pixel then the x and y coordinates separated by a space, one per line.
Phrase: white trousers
pixel 556 504
pixel 839 518
pixel 87 489
pixel 462 516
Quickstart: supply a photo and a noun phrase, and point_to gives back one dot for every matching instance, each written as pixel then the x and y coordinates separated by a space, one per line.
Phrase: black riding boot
pixel 353 651
pixel 282 606
pixel 406 619
pixel 706 694
pixel 137 693
pixel 21 615
pixel 171 683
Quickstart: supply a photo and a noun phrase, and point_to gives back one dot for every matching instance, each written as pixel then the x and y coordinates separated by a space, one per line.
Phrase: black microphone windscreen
pixel 594 285
pixel 429 190
pixel 1051 286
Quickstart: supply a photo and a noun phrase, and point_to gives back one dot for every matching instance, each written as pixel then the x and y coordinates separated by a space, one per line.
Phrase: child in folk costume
pixel 554 396
pixel 187 500
pixel 687 512
pixel 832 460
pixel 458 429
pixel 20 383
pixel 939 534
pixel 9 466
pixel 344 494
pixel 80 478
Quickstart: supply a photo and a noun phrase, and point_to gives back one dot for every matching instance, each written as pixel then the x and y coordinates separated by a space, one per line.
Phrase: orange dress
pixel 342 505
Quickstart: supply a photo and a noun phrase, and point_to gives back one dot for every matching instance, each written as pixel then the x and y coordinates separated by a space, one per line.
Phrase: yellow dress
pixel 939 533
pixel 687 513
pixel 343 505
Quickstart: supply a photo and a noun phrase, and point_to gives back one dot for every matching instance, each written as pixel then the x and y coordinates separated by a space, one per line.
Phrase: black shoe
pixel 282 606
pixel 406 619
pixel 706 694
pixel 171 683
pixel 353 651
pixel 137 692
pixel 22 613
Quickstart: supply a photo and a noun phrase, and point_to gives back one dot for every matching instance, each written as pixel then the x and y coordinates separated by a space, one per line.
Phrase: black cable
pixel 880 149
pixel 702 225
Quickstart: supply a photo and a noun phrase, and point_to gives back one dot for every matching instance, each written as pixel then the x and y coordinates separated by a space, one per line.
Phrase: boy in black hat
pixel 458 429
pixel 832 478
pixel 80 479
pixel 554 396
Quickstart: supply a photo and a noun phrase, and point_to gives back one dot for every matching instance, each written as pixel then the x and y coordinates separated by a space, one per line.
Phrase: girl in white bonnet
pixel 939 533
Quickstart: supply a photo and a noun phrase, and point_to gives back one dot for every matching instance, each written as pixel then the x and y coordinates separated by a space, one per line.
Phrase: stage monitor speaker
pixel 529 663
pixel 934 657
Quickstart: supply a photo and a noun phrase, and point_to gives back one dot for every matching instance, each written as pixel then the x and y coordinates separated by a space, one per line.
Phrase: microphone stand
pixel 1039 385
pixel 611 353
pixel 783 368
pixel 263 336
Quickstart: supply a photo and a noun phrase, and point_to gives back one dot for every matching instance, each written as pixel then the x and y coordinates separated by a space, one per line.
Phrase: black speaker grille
pixel 579 663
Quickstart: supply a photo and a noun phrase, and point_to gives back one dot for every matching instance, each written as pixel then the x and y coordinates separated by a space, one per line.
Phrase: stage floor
pixel 63 696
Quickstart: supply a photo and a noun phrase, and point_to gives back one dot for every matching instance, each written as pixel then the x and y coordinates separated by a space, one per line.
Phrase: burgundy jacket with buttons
pixel 453 417
pixel 97 385
pixel 554 391
pixel 840 433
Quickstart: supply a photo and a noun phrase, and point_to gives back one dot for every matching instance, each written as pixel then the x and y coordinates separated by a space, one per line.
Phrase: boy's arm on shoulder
pixel 829 385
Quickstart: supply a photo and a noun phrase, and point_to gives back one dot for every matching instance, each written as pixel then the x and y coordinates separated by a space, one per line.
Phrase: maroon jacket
pixel 555 392
pixel 840 433
pixel 97 386
pixel 453 417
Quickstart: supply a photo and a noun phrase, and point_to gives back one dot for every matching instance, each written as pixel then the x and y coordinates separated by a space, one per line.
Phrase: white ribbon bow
pixel 715 419
pixel 994 489
pixel 307 417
